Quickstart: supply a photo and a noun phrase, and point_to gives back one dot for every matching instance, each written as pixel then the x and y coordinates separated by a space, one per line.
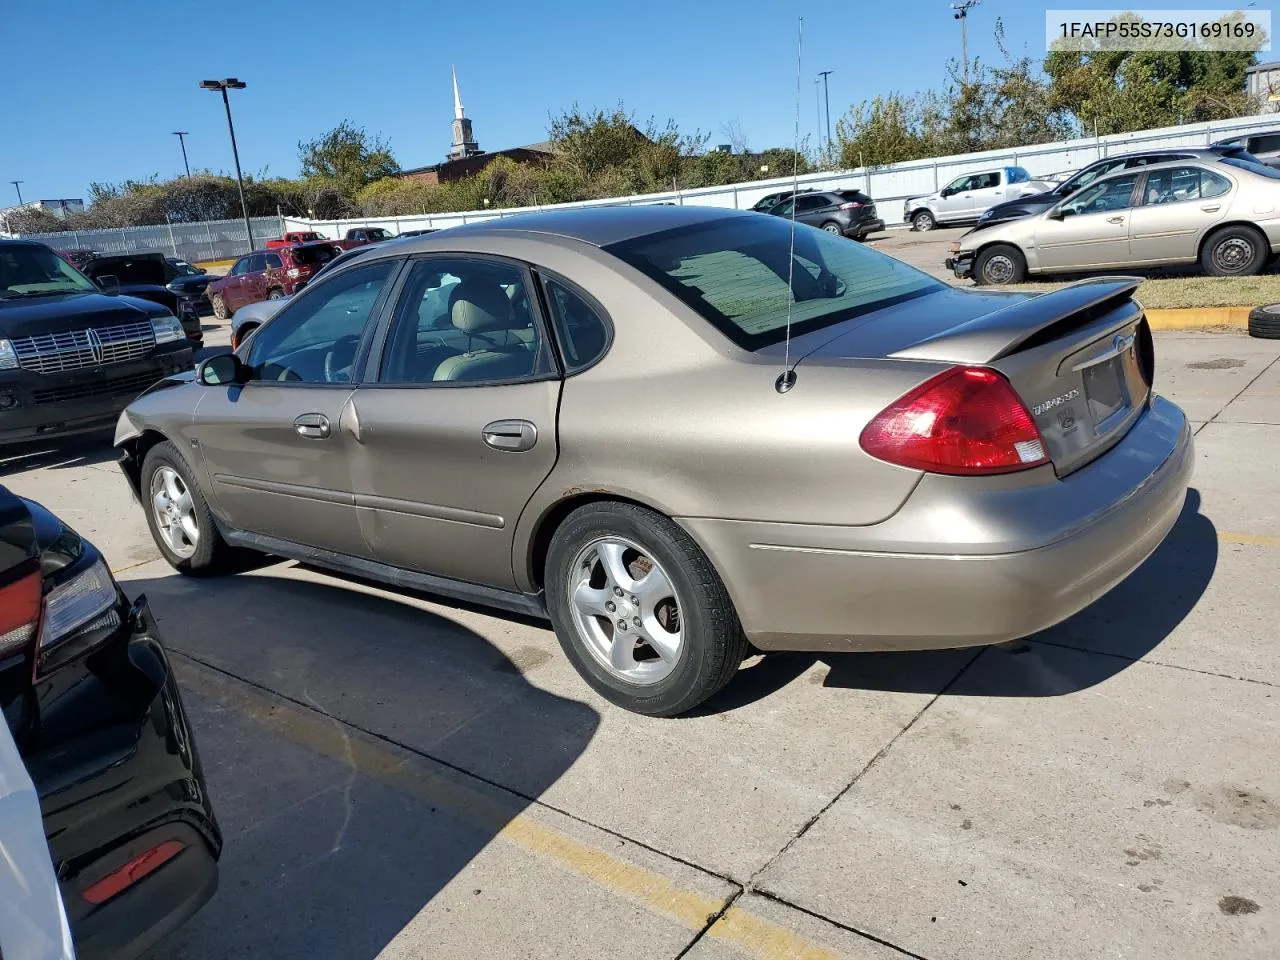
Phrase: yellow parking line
pixel 752 935
pixel 1251 539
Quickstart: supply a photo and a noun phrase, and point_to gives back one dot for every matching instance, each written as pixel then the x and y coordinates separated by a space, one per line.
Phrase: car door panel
pixel 1174 216
pixel 951 207
pixel 987 193
pixel 1097 235
pixel 432 494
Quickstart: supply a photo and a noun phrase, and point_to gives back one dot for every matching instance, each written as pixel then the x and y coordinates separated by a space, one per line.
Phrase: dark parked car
pixel 1040 202
pixel 268 275
pixel 416 233
pixel 146 276
pixel 1264 147
pixel 850 213
pixel 77 258
pixel 191 282
pixel 87 690
pixel 771 200
pixel 72 357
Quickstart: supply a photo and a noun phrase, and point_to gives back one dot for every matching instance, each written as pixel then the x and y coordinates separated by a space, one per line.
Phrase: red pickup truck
pixel 295 236
pixel 361 236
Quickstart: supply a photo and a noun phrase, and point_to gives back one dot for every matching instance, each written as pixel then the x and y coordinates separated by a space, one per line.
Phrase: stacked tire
pixel 1264 322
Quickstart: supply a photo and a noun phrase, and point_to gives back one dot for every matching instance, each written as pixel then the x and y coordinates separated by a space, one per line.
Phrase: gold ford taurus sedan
pixel 681 434
pixel 1224 215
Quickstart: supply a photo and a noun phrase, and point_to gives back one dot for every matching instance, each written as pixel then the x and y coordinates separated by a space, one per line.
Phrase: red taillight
pixel 967 420
pixel 850 206
pixel 117 881
pixel 20 603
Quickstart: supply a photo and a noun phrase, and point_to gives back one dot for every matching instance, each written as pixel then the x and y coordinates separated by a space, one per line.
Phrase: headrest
pixel 476 306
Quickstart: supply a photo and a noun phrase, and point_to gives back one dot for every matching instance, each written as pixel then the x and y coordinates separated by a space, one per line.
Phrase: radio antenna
pixel 787 379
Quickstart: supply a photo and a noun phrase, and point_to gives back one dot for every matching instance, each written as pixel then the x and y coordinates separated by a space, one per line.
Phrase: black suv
pixel 850 213
pixel 71 356
pixel 88 692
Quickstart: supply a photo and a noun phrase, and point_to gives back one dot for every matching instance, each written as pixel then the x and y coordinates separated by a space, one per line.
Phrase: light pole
pixel 231 83
pixel 826 99
pixel 18 188
pixel 817 100
pixel 962 14
pixel 182 135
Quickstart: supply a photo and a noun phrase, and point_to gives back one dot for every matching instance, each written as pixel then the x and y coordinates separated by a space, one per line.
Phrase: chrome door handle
pixel 1211 207
pixel 510 436
pixel 312 426
pixel 1115 219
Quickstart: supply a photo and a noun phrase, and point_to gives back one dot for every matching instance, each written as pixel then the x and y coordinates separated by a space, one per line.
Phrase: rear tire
pixel 832 227
pixel 167 479
pixel 275 293
pixel 1235 251
pixel 1000 264
pixel 1264 322
pixel 601 557
pixel 923 220
pixel 219 307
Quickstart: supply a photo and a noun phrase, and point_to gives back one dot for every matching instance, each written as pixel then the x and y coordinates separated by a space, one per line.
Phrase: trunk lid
pixel 1081 358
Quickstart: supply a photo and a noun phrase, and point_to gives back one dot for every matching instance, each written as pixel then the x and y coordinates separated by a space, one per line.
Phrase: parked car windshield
pixel 734 273
pixel 28 270
pixel 184 269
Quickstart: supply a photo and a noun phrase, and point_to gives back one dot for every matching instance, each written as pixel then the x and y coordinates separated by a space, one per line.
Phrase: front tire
pixel 923 220
pixel 178 514
pixel 1235 251
pixel 1000 264
pixel 639 610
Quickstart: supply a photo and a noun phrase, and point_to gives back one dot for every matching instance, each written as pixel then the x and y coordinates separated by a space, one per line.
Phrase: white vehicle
pixel 966 197
pixel 33 921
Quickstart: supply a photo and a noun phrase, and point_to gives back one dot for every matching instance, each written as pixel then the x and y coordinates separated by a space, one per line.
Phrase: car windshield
pixel 733 272
pixel 28 270
pixel 184 269
pixel 377 233
pixel 1253 166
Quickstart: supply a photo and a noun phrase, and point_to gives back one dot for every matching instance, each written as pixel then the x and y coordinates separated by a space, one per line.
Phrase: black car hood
pixel 140 268
pixel 1023 206
pixel 192 284
pixel 72 311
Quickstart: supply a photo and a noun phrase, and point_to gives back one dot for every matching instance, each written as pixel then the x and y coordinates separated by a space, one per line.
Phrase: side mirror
pixel 1056 214
pixel 222 370
pixel 108 284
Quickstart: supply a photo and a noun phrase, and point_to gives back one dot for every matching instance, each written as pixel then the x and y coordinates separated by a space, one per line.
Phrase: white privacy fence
pixel 889 185
pixel 206 240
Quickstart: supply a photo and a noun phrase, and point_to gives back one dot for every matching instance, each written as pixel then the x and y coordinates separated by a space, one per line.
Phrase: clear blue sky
pixel 93 89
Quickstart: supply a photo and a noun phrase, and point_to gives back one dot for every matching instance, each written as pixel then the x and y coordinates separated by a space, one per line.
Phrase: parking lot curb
pixel 1199 318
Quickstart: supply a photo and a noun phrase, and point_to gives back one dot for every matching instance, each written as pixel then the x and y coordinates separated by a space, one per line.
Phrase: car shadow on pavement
pixel 334 724
pixel 1123 626
pixel 87 450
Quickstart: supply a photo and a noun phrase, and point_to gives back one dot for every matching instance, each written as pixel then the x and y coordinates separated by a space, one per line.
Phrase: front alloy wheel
pixel 174 512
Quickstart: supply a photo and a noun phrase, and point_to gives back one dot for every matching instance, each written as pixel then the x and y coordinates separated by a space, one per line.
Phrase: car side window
pixel 1114 194
pixel 1183 183
pixel 314 339
pixel 255 264
pixel 241 267
pixel 583 334
pixel 807 204
pixel 783 209
pixel 272 261
pixel 987 180
pixel 959 184
pixel 1266 143
pixel 463 320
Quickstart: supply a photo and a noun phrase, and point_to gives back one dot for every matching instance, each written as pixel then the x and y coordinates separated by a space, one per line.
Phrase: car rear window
pixel 733 272
pixel 856 196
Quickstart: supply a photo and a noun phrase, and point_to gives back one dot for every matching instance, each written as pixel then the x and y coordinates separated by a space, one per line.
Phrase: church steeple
pixel 464 144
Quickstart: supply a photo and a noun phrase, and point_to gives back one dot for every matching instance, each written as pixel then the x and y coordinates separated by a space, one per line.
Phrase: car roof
pixel 598 226
pixel 1147 168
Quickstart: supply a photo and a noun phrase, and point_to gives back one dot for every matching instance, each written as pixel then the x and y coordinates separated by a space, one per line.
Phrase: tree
pixel 346 158
pixel 26 220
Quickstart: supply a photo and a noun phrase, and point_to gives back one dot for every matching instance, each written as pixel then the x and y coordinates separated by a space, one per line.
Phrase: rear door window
pixel 257 263
pixel 1266 143
pixel 1183 183
pixel 809 204
pixel 582 332
pixel 272 261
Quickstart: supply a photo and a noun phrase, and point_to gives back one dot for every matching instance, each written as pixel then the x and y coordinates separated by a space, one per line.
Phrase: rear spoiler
pixel 1028 322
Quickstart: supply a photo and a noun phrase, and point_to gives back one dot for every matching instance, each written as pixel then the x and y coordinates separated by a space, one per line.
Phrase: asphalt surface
pixel 404 778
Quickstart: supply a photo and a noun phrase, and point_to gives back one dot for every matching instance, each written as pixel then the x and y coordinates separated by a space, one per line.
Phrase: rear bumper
pixel 966 561
pixel 133 784
pixel 36 406
pixel 863 227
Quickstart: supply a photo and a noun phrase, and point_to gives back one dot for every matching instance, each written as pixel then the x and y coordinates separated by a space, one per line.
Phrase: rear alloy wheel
pixel 178 515
pixel 832 227
pixel 640 611
pixel 1000 264
pixel 923 220
pixel 219 307
pixel 1236 251
pixel 275 293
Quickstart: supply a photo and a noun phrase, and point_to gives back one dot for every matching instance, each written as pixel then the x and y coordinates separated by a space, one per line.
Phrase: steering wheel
pixel 339 358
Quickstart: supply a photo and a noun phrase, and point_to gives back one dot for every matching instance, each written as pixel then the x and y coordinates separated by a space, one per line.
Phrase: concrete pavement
pixel 403 778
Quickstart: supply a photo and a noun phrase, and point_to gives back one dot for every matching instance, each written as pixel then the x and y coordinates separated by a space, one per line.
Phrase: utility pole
pixel 181 135
pixel 826 97
pixel 231 83
pixel 962 14
pixel 18 188
pixel 817 102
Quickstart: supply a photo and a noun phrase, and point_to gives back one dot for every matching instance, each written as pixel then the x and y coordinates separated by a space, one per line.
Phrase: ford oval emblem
pixel 1122 343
